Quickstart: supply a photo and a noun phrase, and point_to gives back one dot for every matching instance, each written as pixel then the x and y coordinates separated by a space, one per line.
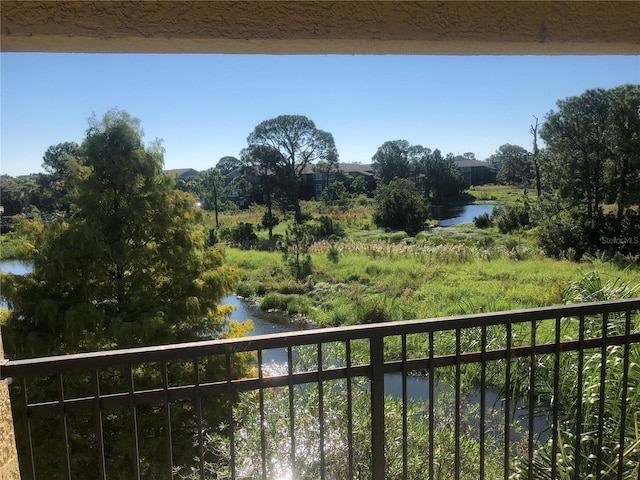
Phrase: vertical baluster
pixel 321 413
pixel 349 410
pixel 27 427
pixel 99 427
pixel 292 416
pixel 578 443
pixel 63 427
pixel 625 385
pixel 167 420
pixel 405 432
pixel 483 395
pixel 507 402
pixel 232 427
pixel 556 400
pixel 376 353
pixel 196 372
pixel 532 404
pixel 263 438
pixel 432 395
pixel 456 455
pixel 601 404
pixel 134 426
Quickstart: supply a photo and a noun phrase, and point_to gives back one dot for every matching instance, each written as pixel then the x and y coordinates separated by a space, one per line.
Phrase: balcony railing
pixel 510 390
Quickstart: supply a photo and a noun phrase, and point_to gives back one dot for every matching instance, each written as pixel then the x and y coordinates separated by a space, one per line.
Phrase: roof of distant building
pixel 472 163
pixel 183 173
pixel 363 169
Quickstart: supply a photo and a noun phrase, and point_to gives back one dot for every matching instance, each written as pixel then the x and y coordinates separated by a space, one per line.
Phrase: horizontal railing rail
pixel 519 357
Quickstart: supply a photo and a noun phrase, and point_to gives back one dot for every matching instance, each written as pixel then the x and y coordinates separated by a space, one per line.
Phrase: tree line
pixel 588 160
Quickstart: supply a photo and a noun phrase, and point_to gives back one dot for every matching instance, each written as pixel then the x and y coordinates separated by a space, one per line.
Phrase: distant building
pixel 476 172
pixel 233 192
pixel 313 183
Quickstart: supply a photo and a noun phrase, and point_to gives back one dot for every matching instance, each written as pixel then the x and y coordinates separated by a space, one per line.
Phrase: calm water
pixel 17 267
pixel 458 214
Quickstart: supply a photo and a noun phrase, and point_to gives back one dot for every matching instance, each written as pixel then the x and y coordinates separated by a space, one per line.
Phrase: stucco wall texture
pixel 9 469
pixel 373 27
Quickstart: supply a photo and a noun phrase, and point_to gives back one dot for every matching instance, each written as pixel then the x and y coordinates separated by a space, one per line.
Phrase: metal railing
pixel 509 389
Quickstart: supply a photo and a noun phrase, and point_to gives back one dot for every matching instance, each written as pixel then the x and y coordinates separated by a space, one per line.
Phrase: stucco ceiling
pixel 292 27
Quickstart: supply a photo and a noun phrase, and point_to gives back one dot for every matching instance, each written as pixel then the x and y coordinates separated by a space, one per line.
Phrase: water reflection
pixel 17 267
pixel 458 214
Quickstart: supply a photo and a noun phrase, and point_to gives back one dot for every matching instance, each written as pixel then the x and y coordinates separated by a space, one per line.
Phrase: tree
pixel 442 177
pixel 129 268
pixel 295 249
pixel 299 143
pixel 59 161
pixel 211 190
pixel 359 185
pixel 418 158
pixel 391 161
pixel 577 133
pixel 514 167
pixel 328 171
pixel 16 193
pixel 535 158
pixel 399 206
pixel 262 162
pixel 591 159
pixel 227 164
pixel 622 172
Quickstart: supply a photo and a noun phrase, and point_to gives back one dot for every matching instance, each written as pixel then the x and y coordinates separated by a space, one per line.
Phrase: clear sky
pixel 205 106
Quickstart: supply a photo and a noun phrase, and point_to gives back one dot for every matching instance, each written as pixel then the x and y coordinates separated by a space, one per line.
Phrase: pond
pixel 17 267
pixel 449 215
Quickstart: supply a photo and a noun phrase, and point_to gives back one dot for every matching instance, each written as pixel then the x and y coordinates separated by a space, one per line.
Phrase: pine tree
pixel 129 268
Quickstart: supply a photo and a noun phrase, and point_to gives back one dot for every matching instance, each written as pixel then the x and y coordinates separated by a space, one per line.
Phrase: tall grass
pixel 417 281
pixel 598 411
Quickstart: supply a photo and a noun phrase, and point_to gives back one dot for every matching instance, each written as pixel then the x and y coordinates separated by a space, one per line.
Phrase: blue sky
pixel 205 106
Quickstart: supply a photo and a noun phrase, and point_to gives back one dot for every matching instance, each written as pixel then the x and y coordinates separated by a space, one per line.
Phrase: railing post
pixel 8 453
pixel 376 352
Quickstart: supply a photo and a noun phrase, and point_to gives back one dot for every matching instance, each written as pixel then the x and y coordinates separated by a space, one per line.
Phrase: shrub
pixel 269 221
pixel 485 242
pixel 274 301
pixel 292 304
pixel 397 236
pixel 399 206
pixel 326 227
pixel 512 218
pixel 240 235
pixel 373 312
pixel 602 234
pixel 246 289
pixel 333 255
pixel 297 306
pixel 212 237
pixel 483 221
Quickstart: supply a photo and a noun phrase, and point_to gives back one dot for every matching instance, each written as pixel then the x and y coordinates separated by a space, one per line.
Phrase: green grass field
pixel 379 281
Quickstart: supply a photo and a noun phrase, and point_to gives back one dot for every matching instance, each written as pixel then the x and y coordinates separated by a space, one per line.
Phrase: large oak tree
pixel 300 144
